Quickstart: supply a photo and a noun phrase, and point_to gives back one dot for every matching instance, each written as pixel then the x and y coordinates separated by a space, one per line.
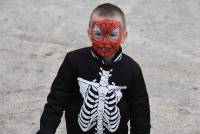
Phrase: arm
pixel 139 105
pixel 59 94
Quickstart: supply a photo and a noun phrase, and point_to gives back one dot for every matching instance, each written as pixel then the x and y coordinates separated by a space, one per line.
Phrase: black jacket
pixel 97 97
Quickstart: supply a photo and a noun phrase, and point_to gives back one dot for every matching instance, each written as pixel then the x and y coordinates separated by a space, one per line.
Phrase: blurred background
pixel 163 37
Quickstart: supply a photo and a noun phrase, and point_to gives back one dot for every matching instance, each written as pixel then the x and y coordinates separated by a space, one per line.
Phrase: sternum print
pixel 102 91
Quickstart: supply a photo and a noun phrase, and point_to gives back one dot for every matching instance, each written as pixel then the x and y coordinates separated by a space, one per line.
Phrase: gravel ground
pixel 163 37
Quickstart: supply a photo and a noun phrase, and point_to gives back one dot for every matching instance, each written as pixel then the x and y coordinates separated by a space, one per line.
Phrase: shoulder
pixel 78 53
pixel 130 61
pixel 131 64
pixel 77 56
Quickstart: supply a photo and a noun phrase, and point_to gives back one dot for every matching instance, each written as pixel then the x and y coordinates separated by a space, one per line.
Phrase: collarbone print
pixel 100 103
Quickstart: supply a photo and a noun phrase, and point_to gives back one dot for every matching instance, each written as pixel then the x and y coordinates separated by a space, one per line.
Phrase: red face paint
pixel 103 41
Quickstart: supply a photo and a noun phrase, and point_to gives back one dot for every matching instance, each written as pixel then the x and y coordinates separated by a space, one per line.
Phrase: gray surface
pixel 164 38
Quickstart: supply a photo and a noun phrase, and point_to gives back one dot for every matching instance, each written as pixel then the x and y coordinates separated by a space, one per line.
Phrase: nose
pixel 106 41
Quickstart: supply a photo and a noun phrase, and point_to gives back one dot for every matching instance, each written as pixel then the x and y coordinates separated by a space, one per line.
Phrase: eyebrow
pixel 96 29
pixel 117 28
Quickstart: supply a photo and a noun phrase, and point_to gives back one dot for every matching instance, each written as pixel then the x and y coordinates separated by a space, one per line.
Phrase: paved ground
pixel 163 38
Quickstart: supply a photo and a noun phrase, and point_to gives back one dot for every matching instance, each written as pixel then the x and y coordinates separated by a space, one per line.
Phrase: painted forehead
pixel 104 23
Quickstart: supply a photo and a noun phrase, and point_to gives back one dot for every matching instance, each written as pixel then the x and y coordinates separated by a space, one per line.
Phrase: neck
pixel 109 58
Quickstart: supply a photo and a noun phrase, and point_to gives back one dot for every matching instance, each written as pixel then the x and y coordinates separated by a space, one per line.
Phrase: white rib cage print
pixel 100 104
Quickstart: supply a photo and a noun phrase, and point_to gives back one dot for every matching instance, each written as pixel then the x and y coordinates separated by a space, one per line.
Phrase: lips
pixel 105 48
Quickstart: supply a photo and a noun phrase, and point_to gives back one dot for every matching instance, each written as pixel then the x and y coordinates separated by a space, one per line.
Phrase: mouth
pixel 104 48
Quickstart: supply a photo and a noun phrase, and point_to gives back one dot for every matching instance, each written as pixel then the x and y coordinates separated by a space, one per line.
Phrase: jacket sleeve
pixel 139 105
pixel 57 98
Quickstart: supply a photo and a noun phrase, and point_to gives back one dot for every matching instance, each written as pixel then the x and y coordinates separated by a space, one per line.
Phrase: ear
pixel 124 36
pixel 89 34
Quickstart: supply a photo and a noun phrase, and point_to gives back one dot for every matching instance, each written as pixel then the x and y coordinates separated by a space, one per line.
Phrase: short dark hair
pixel 108 9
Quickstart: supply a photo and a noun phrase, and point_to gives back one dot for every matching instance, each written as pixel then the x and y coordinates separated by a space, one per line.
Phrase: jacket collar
pixel 117 57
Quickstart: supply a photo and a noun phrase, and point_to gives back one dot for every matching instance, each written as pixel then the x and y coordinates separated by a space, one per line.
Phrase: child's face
pixel 106 34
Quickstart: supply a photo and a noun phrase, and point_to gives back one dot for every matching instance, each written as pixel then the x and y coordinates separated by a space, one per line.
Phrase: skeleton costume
pixel 97 97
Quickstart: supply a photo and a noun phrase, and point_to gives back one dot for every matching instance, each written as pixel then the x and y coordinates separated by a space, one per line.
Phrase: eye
pixel 96 31
pixel 115 33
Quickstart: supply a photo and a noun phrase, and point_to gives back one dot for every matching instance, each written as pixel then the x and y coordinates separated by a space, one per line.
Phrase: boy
pixel 99 87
